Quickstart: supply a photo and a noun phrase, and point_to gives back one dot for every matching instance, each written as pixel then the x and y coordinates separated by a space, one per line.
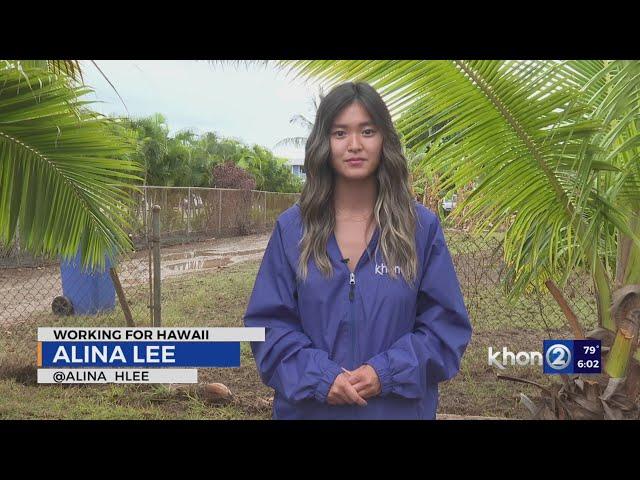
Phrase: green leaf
pixel 65 178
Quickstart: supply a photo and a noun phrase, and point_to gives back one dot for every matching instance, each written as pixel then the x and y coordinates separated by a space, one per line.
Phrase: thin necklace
pixel 344 215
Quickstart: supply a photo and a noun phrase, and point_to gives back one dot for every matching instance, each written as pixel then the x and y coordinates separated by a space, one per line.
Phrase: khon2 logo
pixel 557 357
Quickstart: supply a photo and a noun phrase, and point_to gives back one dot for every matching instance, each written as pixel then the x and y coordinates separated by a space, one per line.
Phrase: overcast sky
pixel 253 104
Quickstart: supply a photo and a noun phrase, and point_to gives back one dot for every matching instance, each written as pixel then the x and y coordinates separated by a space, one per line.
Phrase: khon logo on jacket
pixel 382 269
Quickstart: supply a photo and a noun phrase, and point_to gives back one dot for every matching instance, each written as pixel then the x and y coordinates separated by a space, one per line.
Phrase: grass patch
pixel 476 390
pixel 219 298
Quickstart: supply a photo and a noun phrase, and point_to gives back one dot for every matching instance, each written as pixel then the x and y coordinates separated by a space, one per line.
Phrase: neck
pixel 355 196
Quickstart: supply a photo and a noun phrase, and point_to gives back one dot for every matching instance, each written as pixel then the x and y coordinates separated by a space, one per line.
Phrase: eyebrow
pixel 363 124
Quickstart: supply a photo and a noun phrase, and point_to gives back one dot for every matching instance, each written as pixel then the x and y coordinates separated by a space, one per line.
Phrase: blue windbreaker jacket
pixel 412 338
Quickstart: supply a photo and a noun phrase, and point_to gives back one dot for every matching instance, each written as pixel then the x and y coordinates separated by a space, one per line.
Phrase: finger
pixel 344 398
pixel 364 391
pixel 335 400
pixel 361 381
pixel 359 386
pixel 337 390
pixel 335 397
pixel 349 395
pixel 353 379
pixel 353 396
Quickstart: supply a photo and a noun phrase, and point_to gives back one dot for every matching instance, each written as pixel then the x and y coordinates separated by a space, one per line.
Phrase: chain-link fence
pixel 209 229
pixel 194 214
pixel 479 264
pixel 43 291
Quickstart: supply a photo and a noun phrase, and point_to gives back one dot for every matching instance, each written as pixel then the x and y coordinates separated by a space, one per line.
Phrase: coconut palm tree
pixel 553 149
pixel 70 68
pixel 304 122
pixel 65 174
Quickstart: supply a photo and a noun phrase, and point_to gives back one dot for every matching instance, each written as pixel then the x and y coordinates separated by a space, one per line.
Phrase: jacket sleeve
pixel 286 360
pixel 431 353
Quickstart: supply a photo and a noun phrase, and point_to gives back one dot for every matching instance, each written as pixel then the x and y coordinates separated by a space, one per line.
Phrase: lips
pixel 355 160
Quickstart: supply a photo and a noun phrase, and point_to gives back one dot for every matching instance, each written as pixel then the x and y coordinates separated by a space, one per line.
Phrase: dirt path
pixel 26 291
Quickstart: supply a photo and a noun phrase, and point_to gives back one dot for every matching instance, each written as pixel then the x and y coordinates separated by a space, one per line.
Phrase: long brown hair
pixel 394 209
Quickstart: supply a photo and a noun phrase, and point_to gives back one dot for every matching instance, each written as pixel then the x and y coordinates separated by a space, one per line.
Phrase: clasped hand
pixel 354 387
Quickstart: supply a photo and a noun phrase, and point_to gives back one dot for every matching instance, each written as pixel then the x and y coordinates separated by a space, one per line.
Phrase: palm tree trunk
pixel 627 274
pixel 628 259
pixel 603 296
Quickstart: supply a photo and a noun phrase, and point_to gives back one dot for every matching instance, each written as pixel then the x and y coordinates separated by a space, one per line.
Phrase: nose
pixel 354 143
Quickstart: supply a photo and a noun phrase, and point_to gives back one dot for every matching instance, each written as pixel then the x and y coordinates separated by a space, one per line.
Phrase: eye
pixel 339 133
pixel 369 132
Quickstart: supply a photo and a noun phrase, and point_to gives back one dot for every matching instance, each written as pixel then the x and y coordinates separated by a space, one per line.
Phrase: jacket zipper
pixel 352 285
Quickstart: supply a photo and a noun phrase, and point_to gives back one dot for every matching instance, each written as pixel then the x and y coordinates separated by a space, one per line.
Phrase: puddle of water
pixel 176 256
pixel 249 252
pixel 179 263
pixel 200 254
pixel 205 253
pixel 194 264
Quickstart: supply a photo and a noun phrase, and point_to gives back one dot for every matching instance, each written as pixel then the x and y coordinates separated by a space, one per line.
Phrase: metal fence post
pixel 149 248
pixel 219 212
pixel 189 213
pixel 156 266
pixel 16 243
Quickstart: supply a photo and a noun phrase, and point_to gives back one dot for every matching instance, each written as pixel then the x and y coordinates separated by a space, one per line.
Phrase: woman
pixel 357 292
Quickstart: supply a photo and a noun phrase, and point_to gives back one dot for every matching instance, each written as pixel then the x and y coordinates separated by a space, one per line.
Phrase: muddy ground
pixel 28 291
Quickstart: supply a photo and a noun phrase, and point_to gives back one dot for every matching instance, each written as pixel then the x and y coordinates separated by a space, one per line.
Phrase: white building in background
pixel 297 167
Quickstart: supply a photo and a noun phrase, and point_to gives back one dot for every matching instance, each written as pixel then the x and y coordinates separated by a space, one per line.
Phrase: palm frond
pixel 70 68
pixel 64 172
pixel 298 142
pixel 522 131
pixel 302 121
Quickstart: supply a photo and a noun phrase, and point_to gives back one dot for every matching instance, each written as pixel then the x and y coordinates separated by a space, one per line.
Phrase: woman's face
pixel 354 136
